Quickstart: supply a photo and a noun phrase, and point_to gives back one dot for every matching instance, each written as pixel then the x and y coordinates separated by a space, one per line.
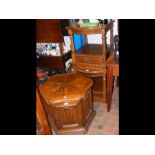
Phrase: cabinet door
pixel 67 117
pixel 87 106
pixel 42 125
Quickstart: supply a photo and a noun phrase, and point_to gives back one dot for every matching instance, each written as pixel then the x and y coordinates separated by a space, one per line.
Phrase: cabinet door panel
pixel 66 117
pixel 87 106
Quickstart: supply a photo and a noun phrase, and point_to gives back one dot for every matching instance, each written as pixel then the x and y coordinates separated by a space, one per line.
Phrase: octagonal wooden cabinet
pixel 68 100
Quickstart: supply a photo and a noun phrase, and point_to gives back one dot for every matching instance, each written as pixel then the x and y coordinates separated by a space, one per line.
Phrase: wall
pixel 97 37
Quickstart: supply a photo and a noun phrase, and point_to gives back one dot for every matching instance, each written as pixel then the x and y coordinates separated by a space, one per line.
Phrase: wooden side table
pixel 112 70
pixel 91 59
pixel 68 100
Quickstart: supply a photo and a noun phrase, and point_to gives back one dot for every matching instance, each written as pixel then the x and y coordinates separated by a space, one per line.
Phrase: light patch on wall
pixel 96 38
pixel 67 41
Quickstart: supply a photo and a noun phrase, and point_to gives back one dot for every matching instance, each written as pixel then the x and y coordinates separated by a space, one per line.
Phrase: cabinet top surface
pixel 90 30
pixel 65 87
pixel 92 50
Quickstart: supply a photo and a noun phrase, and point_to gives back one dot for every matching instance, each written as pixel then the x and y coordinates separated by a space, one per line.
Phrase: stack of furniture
pixel 92 59
pixel 49 31
pixel 66 98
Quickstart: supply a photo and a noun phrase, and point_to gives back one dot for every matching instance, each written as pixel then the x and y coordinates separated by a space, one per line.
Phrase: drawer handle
pixel 68 108
pixel 87 70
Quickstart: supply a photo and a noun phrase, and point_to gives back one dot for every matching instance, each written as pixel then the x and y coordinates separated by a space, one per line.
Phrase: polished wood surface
pixel 64 87
pixel 75 29
pixel 112 70
pixel 93 50
pixel 68 98
pixel 42 124
pixel 48 31
pixel 91 60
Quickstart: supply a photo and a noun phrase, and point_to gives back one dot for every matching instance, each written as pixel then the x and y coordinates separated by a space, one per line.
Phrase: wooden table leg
pixel 117 82
pixel 109 86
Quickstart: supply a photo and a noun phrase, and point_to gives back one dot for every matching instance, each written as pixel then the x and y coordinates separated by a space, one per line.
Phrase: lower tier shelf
pixel 98 89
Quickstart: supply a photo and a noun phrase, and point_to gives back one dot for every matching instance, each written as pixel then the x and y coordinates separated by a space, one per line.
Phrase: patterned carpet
pixel 106 123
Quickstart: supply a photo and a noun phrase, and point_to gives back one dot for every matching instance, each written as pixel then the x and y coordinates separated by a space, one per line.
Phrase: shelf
pixel 93 50
pixel 53 62
pixel 92 59
pixel 89 30
pixel 64 54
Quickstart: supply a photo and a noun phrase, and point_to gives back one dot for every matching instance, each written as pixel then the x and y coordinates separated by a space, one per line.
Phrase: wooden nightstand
pixel 91 59
pixel 68 100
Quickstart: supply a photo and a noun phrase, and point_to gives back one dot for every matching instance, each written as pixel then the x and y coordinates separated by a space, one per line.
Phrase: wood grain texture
pixel 43 126
pixel 91 59
pixel 69 101
pixel 48 31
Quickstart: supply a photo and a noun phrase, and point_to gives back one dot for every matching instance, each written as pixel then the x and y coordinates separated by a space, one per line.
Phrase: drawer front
pixel 89 59
pixel 90 68
pixel 99 94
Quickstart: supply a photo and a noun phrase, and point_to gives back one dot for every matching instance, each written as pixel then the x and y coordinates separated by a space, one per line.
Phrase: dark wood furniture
pixel 112 70
pixel 68 99
pixel 42 124
pixel 53 62
pixel 49 31
pixel 92 59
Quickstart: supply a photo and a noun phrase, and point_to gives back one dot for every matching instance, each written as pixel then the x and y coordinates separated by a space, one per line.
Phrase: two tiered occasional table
pixel 92 59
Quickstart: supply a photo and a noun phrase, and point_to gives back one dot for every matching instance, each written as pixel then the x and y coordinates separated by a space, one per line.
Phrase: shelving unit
pixel 49 31
pixel 92 59
pixel 54 62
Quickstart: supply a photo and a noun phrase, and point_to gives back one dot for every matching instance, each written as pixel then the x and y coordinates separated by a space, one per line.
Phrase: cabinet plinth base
pixel 80 130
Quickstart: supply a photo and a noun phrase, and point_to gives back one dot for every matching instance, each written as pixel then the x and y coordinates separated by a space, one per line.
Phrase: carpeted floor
pixel 106 123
